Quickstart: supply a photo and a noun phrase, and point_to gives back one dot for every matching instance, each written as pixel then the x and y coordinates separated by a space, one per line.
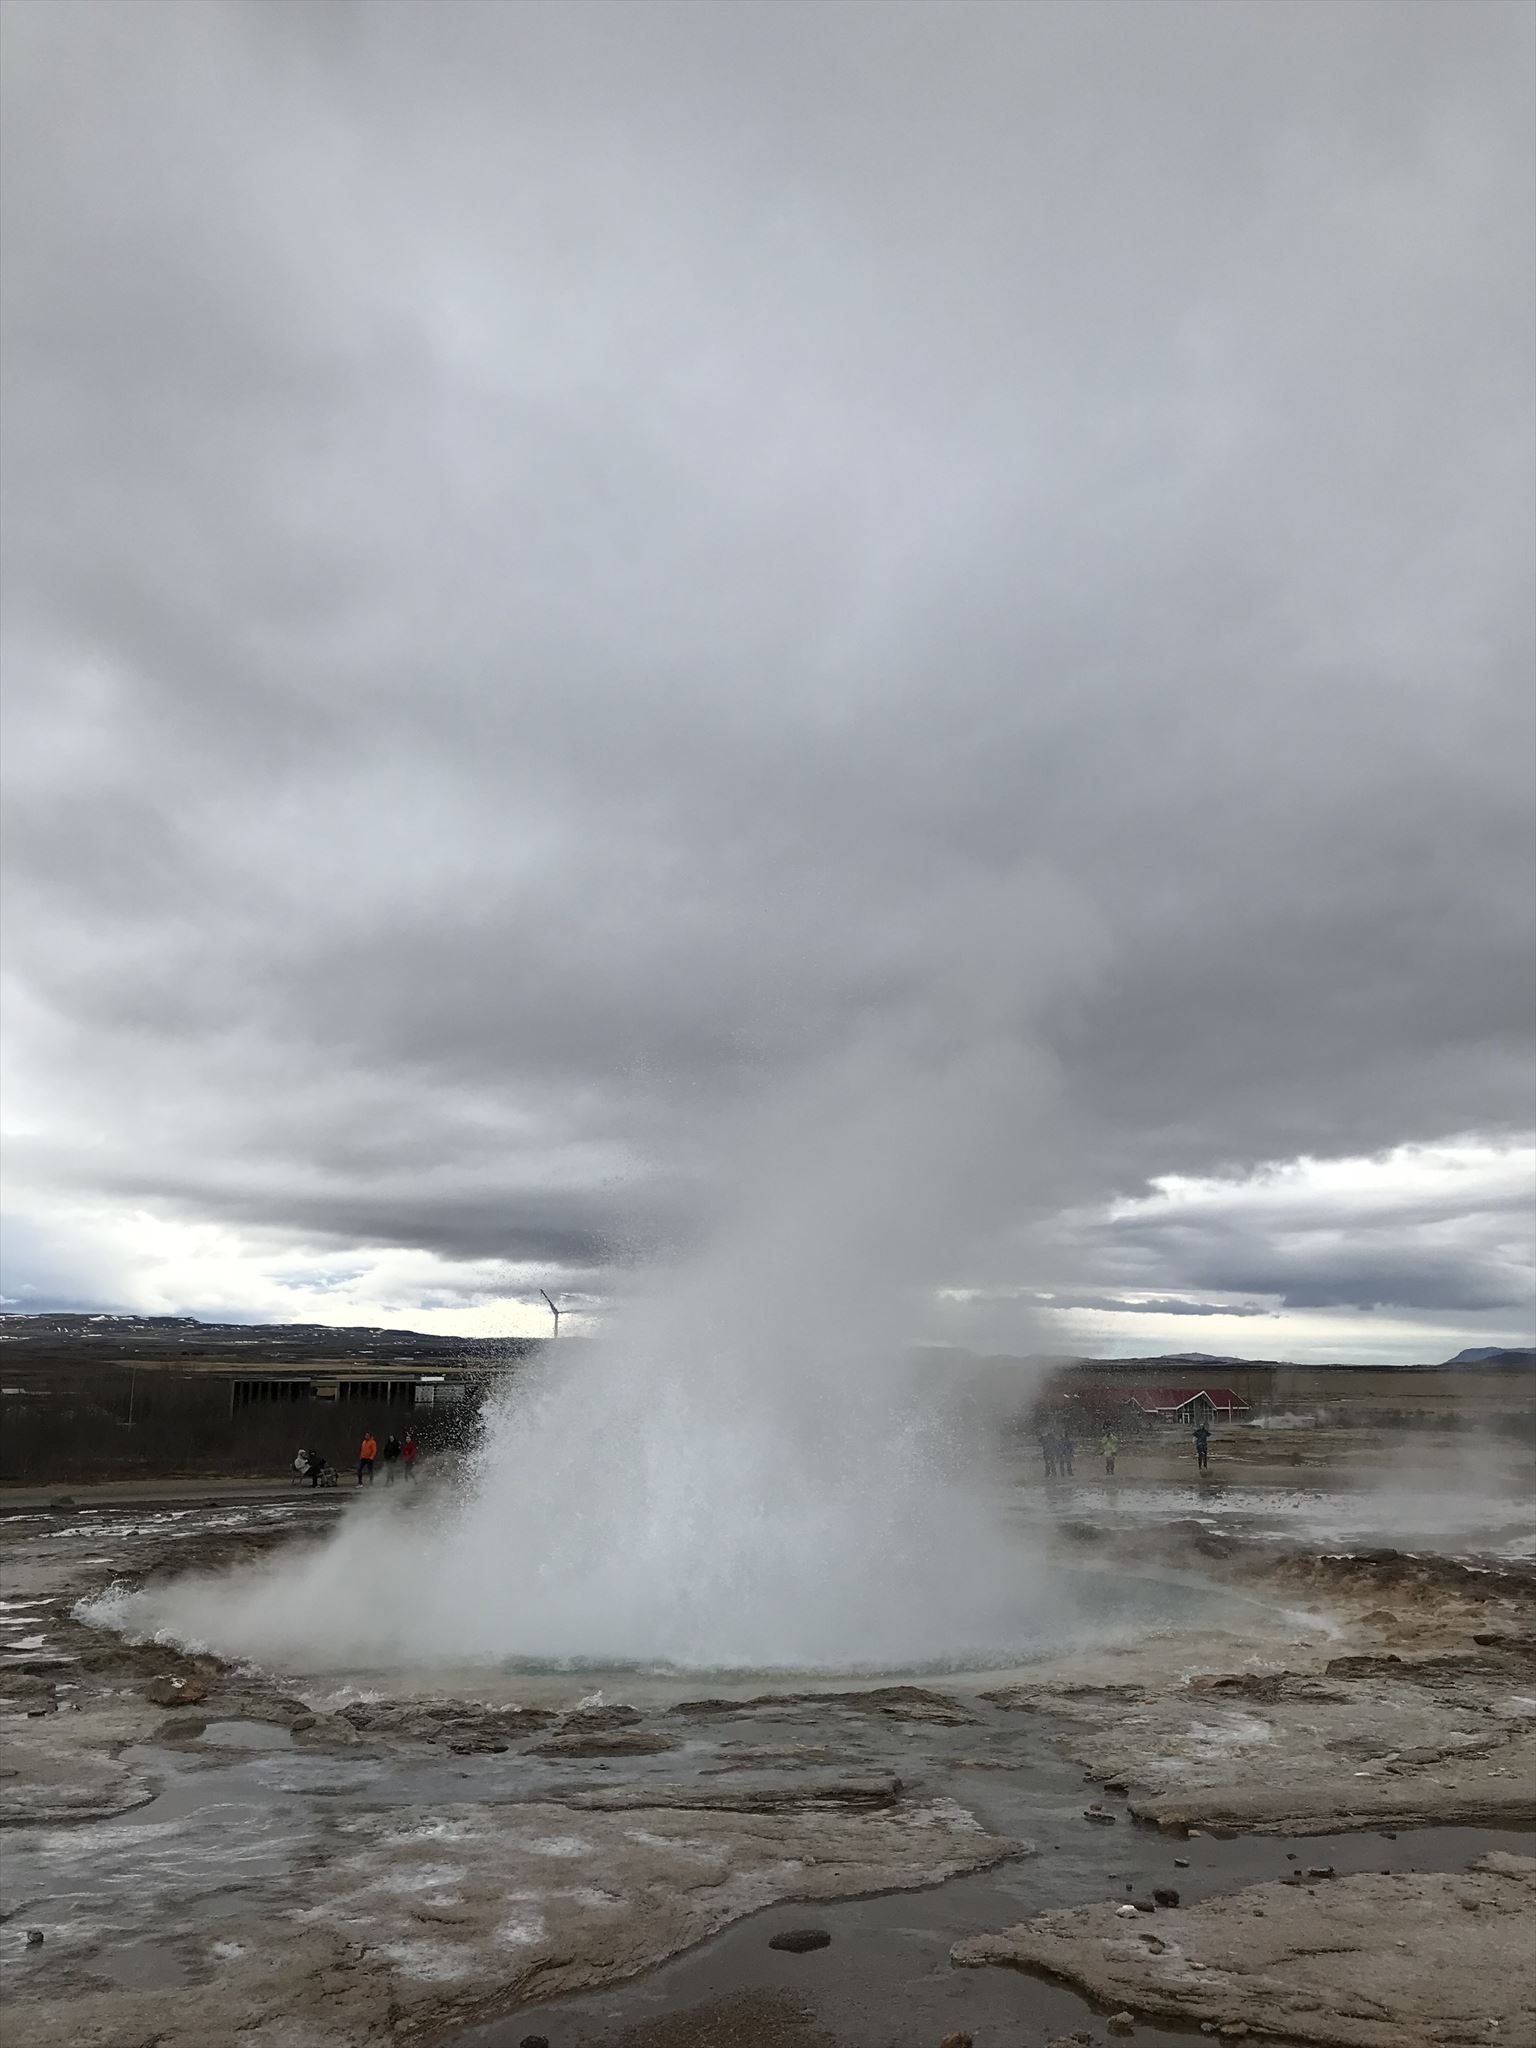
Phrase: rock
pixel 916 1703
pixel 897 1702
pixel 1098 1815
pixel 1121 2023
pixel 534 2041
pixel 442 1720
pixel 1359 1667
pixel 325 1730
pixel 1372 1963
pixel 1117 1786
pixel 1181 1863
pixel 181 1728
pixel 302 1723
pixel 799 1941
pixel 1144 1905
pixel 175 1692
pixel 27 1685
pixel 1320 1870
pixel 1164 1895
pixel 808 1795
pixel 34 1937
pixel 616 1716
pixel 601 1742
pixel 956 2041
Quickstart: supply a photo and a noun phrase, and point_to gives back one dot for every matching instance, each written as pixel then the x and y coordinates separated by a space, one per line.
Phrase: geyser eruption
pixel 750 1471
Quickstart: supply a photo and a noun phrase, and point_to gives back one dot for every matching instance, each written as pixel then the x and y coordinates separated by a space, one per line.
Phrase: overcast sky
pixel 564 565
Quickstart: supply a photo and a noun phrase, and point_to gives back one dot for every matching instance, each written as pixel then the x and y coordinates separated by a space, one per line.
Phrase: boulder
pixel 175 1692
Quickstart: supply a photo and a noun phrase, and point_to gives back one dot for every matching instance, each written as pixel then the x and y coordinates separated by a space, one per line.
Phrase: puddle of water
pixel 1393 1517
pixel 887 1974
pixel 209 1834
pixel 140 1966
pixel 246 1735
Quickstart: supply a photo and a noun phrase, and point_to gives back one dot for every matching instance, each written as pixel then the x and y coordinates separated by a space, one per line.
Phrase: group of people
pixel 1057 1449
pixel 399 1456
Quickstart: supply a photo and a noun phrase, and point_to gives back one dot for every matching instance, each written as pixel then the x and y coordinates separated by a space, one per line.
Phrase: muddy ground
pixel 1331 1755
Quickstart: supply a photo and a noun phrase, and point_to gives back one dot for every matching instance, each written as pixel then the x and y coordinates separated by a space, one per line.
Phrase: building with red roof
pixel 1187 1404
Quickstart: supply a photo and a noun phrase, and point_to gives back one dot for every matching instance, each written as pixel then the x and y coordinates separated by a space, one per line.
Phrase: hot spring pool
pixel 1065 1610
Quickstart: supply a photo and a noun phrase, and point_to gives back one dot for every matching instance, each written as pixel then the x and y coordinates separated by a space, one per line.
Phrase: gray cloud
pixel 1157 1305
pixel 1448 1231
pixel 562 563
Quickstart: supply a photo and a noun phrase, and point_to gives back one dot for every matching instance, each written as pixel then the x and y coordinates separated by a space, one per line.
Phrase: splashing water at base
pixel 754 1473
pixel 618 1514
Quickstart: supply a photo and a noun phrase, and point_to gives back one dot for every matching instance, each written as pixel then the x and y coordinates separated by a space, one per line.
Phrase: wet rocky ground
pixel 1206 1821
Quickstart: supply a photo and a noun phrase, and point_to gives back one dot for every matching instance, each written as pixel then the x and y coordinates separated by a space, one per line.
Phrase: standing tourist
pixel 1111 1449
pixel 408 1456
pixel 368 1450
pixel 1202 1445
pixel 391 1458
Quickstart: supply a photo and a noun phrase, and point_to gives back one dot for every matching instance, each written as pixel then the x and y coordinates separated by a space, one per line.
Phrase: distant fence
pixel 123 1421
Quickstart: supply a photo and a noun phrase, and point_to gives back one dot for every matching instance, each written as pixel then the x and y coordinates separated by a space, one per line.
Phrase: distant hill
pixel 80 1334
pixel 166 1339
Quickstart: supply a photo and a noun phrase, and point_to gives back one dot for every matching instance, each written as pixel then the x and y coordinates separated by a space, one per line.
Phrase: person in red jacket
pixel 408 1457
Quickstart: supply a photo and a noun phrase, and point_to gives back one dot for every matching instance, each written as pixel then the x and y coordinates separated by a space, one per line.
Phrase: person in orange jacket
pixel 368 1451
